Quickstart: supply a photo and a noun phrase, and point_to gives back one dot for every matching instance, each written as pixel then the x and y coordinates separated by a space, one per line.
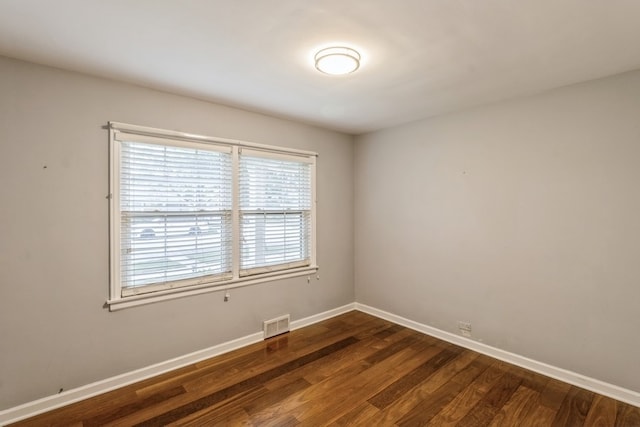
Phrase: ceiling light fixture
pixel 337 60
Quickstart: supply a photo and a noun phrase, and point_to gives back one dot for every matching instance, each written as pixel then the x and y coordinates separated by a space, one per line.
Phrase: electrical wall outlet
pixel 465 328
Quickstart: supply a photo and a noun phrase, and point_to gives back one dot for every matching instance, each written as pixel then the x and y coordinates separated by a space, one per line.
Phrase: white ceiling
pixel 420 57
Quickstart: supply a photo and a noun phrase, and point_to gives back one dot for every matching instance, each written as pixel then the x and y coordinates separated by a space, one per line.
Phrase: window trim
pixel 116 299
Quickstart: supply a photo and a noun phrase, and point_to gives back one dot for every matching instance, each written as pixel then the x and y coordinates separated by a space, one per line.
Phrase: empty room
pixel 320 212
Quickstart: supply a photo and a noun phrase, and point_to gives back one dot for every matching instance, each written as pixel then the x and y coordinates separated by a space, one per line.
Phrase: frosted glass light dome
pixel 337 60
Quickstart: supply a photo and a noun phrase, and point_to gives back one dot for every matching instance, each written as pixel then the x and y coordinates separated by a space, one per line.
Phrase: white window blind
pixel 275 212
pixel 190 213
pixel 175 215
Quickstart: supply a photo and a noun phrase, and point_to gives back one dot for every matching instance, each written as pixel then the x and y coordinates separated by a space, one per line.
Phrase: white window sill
pixel 153 297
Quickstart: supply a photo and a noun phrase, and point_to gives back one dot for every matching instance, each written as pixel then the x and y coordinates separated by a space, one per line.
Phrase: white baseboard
pixel 624 395
pixel 301 323
pixel 68 397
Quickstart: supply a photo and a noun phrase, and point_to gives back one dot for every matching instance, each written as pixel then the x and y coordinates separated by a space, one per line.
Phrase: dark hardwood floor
pixel 350 370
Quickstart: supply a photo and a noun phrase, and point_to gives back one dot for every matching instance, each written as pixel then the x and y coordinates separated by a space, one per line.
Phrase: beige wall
pixel 522 217
pixel 54 331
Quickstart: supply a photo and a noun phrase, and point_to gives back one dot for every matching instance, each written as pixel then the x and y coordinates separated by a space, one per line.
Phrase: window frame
pixel 120 132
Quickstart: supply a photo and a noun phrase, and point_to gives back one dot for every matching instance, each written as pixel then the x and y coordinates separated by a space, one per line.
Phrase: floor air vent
pixel 276 326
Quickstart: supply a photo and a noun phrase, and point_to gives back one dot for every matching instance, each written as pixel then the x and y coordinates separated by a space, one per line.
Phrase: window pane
pixel 164 248
pixel 275 212
pixel 274 238
pixel 268 184
pixel 175 213
pixel 165 178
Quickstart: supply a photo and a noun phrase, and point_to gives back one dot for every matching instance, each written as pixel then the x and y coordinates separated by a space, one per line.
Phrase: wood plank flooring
pixel 351 370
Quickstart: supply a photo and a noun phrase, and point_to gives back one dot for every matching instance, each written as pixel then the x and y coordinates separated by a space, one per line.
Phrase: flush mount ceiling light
pixel 337 60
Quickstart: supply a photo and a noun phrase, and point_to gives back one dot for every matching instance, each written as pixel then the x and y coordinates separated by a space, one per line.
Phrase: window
pixel 275 212
pixel 191 213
